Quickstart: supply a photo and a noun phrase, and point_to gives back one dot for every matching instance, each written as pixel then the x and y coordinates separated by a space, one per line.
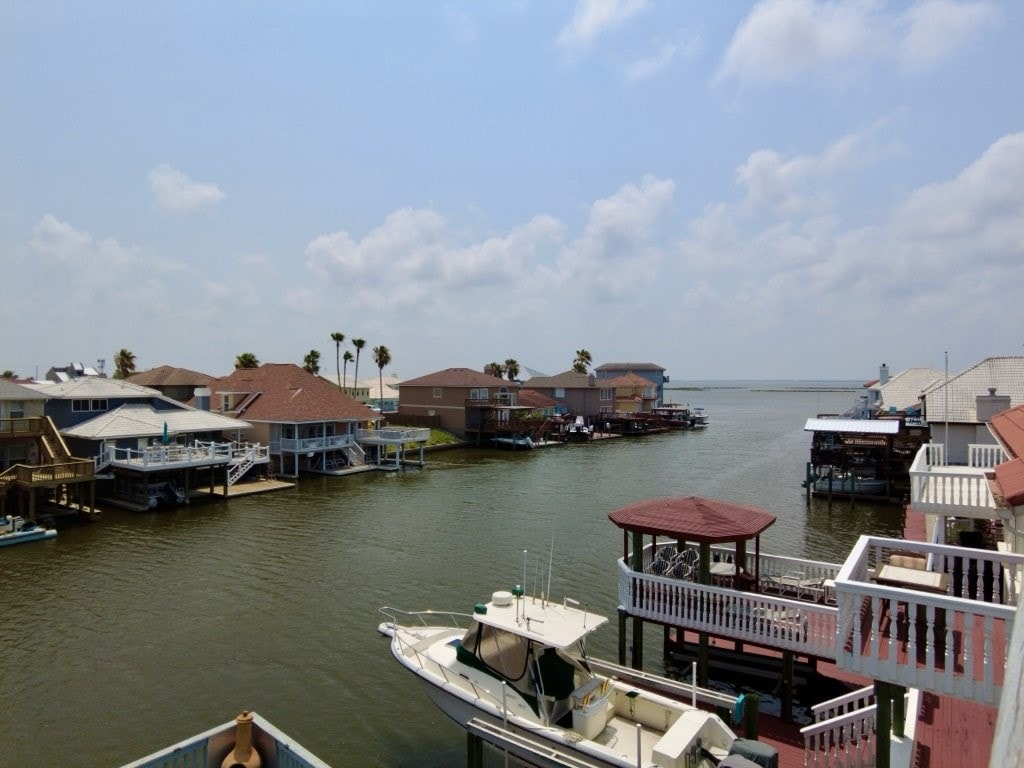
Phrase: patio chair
pixel 797 584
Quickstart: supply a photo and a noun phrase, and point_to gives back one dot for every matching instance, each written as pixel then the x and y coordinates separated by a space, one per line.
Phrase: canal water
pixel 124 636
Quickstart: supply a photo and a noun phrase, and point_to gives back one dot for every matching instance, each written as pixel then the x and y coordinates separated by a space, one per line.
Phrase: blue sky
pixel 783 189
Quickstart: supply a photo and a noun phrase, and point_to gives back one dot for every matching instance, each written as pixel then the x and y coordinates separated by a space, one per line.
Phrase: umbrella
pixel 166 438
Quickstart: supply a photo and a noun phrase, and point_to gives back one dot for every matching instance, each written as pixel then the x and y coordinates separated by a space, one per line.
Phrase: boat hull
pixel 24 537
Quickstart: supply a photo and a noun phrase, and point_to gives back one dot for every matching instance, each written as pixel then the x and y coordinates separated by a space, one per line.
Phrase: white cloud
pixel 687 45
pixel 593 17
pixel 174 191
pixel 934 29
pixel 63 244
pixel 782 40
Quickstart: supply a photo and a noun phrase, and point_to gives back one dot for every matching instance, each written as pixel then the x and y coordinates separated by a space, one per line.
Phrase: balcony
pixel 937 488
pixel 946 630
pixel 393 436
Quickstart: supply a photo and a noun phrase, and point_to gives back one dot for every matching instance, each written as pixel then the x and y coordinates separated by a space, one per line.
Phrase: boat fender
pixel 480 608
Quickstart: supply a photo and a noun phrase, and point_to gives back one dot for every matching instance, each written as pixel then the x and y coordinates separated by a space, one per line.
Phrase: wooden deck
pixel 949 731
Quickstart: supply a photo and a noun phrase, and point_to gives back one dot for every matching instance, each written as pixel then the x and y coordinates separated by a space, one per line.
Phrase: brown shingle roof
pixel 457 377
pixel 168 376
pixel 1008 427
pixel 533 399
pixel 692 518
pixel 565 380
pixel 285 392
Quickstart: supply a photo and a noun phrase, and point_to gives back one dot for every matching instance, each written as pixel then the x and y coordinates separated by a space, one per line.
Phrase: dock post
pixel 638 643
pixel 474 750
pixel 883 728
pixel 622 637
pixel 787 686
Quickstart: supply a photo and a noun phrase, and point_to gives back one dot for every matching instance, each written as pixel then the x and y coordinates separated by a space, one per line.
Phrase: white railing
pixel 939 488
pixel 953 642
pixel 843 732
pixel 356 455
pixel 779 622
pixel 394 435
pixel 244 457
pixel 321 443
pixel 166 455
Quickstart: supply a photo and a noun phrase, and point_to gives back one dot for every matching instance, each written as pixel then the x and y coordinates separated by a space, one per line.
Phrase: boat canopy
pixel 873 426
pixel 550 624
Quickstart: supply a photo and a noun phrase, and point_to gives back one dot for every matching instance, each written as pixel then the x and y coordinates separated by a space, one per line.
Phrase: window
pixel 478 394
pixel 559 393
pixel 99 405
pixel 438 392
pixel 607 394
pixel 16 409
pixel 79 406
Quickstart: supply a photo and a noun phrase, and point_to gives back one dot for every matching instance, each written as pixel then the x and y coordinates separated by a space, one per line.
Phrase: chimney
pixel 987 406
pixel 202 395
pixel 883 374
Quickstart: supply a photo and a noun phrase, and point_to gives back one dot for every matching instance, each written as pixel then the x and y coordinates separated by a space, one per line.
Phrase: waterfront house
pixel 628 393
pixel 901 395
pixel 147 448
pixel 655 374
pixel 37 471
pixel 459 400
pixel 176 383
pixel 574 394
pixel 958 410
pixel 307 422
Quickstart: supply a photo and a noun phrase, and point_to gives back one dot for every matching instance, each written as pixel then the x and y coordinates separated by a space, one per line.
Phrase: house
pixel 37 472
pixel 147 448
pixel 655 374
pixel 539 405
pixel 958 410
pixel 902 394
pixel 72 371
pixel 574 393
pixel 459 400
pixel 307 422
pixel 627 394
pixel 176 383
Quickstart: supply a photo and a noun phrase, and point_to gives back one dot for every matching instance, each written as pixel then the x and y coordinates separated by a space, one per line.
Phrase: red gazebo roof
pixel 692 518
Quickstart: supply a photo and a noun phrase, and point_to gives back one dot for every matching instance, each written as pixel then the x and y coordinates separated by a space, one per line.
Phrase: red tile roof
pixel 285 392
pixel 534 399
pixel 693 518
pixel 1008 427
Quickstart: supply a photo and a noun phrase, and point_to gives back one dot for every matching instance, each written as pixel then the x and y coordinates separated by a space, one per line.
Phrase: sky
pixel 785 189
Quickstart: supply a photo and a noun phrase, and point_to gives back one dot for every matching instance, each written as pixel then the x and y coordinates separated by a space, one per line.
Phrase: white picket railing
pixel 940 488
pixel 949 643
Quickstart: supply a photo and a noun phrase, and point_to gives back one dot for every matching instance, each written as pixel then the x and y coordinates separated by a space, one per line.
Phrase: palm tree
pixel 311 362
pixel 582 361
pixel 512 369
pixel 124 363
pixel 382 357
pixel 495 369
pixel 358 344
pixel 337 338
pixel 347 357
pixel 247 360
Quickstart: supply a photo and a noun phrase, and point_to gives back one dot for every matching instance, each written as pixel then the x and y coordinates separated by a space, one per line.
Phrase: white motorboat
pixel 578 431
pixel 698 418
pixel 521 663
pixel 516 442
pixel 14 529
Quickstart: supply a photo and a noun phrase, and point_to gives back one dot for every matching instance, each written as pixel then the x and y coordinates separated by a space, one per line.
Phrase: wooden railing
pixel 843 731
pixel 952 642
pixel 779 622
pixel 41 474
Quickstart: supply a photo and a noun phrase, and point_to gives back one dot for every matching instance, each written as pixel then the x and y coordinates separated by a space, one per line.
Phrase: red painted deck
pixel 950 732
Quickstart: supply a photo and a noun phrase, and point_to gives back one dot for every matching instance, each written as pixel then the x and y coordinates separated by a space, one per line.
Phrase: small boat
pixel 578 431
pixel 16 530
pixel 698 418
pixel 844 482
pixel 521 663
pixel 514 443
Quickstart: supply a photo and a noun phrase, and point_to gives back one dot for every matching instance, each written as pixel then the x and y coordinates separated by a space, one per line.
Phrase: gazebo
pixel 698 520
